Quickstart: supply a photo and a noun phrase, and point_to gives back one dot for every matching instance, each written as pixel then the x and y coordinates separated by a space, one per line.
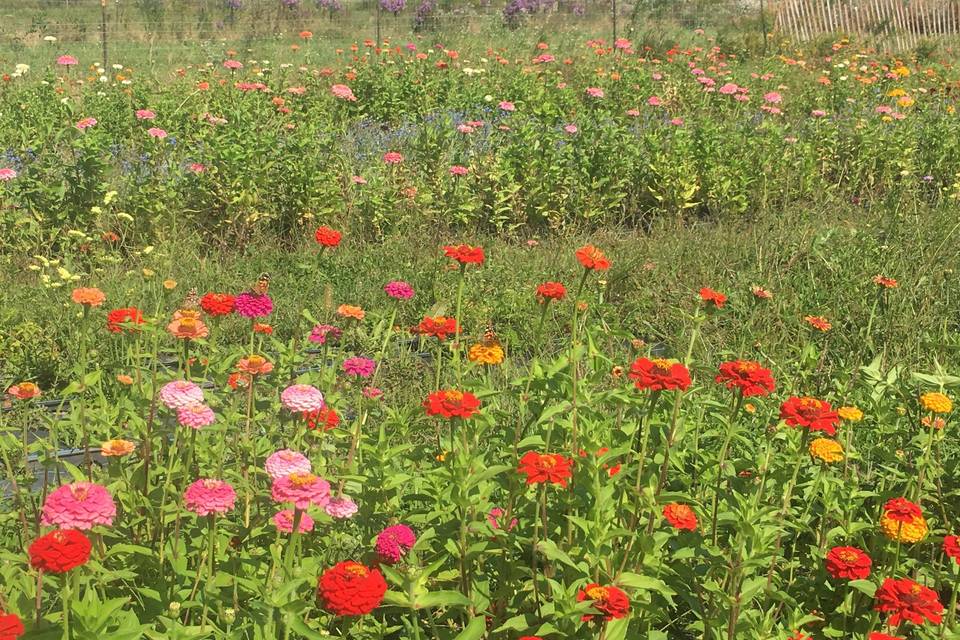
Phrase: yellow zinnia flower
pixel 826 450
pixel 936 402
pixel 898 531
pixel 850 414
pixel 486 354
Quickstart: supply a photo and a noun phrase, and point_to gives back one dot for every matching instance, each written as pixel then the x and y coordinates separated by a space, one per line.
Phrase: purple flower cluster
pixel 393 6
pixel 330 5
pixel 424 14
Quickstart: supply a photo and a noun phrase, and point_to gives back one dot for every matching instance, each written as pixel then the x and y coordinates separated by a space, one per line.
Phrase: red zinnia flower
pixel 610 601
pixel 438 326
pixel 60 551
pixel 450 403
pixel 746 375
pixel 816 415
pixel 217 304
pixel 529 638
pixel 351 589
pixel 10 626
pixel 715 298
pixel 327 237
pixel 907 600
pixel 876 635
pixel 885 282
pixel 680 516
pixel 848 563
pixel 464 253
pixel 592 258
pixel 818 322
pixel 119 317
pixel 951 547
pixel 902 510
pixel 265 329
pixel 326 418
pixel 550 291
pixel 659 374
pixel 552 468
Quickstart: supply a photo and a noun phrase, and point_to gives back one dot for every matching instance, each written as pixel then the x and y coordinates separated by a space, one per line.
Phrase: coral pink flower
pixel 392 157
pixel 459 170
pixel 233 65
pixel 302 397
pixel 323 332
pixel 654 101
pixel 80 505
pixel 7 173
pixel 506 106
pixel 728 89
pixel 196 416
pixel 394 542
pixel 145 114
pixel 343 92
pixel 207 496
pixel 157 132
pixel 301 489
pixel 773 97
pixel 85 123
pixel 180 394
pixel 595 92
pixel 284 462
pixel 284 522
pixel 67 61
pixel 341 508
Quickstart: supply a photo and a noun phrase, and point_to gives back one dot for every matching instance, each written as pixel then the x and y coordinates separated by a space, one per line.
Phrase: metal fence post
pixel 103 32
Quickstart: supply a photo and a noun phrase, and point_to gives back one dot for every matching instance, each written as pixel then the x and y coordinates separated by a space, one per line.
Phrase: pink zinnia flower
pixel 341 508
pixel 622 43
pixel 302 397
pixel 195 416
pixel 677 122
pixel 6 173
pixel 392 157
pixel 728 89
pixel 399 290
pixel 464 128
pixel 302 490
pixel 145 114
pixel 196 167
pixel 633 113
pixel 284 462
pixel 207 496
pixel 284 522
pixel 494 519
pixel 296 91
pixel 360 367
pixel 394 542
pixel 372 393
pixel 66 61
pixel 85 123
pixel 80 505
pixel 595 92
pixel 253 305
pixel 322 332
pixel 458 170
pixel 657 76
pixel 570 128
pixel 818 113
pixel 156 132
pixel 343 92
pixel 233 65
pixel 654 101
pixel 358 180
pixel 507 106
pixel 180 394
pixel 772 97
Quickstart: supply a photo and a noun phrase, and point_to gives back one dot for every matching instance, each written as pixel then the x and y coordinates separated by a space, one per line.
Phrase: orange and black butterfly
pixel 262 285
pixel 490 337
pixel 192 301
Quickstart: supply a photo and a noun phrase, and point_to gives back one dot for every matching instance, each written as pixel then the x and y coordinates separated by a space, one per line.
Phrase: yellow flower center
pixel 453 395
pixel 598 593
pixel 357 570
pixel 301 478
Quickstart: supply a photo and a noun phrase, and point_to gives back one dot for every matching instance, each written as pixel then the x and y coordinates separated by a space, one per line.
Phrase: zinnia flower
pixel 343 92
pixel 592 258
pixel 60 551
pixel 24 391
pixel 359 367
pixel 350 311
pixel 351 589
pixel 951 547
pixel 659 374
pixel 936 402
pixel 611 602
pixel 902 510
pixel 906 600
pixel 196 416
pixel 876 635
pixel 254 365
pixel 465 254
pixel 550 291
pixel 761 293
pixel 392 157
pixel 747 376
pixel 11 627
pixel 493 517
pixel 6 174
pixel 299 398
pixel 302 489
pixel 485 354
pixel 898 529
pixel 815 415
pixel 885 282
pixel 116 448
pixel 217 304
pixel 180 393
pixel 88 296
pixel 680 516
pixel 848 563
pixel 394 542
pixel 120 319
pixel 714 298
pixel 284 462
pixel 67 61
pixel 850 414
pixel 438 326
pixel 818 322
pixel 253 305
pixel 79 505
pixel 451 403
pixel 188 328
pixel 323 332
pixel 341 508
pixel 399 290
pixel 826 450
pixel 208 496
pixel 284 521
pixel 327 237
pixel 551 468
pixel 326 418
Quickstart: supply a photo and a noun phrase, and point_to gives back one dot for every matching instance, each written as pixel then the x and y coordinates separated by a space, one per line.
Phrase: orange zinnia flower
pixel 551 468
pixel 187 327
pixel 24 391
pixel 350 311
pixel 592 258
pixel 117 448
pixel 88 296
pixel 818 322
pixel 254 365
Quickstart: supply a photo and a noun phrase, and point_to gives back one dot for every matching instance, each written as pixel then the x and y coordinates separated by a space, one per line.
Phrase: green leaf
pixel 863 586
pixel 474 630
pixel 442 599
pixel 646 583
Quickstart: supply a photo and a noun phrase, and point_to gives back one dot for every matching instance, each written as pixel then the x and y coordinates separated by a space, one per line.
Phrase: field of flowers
pixel 600 342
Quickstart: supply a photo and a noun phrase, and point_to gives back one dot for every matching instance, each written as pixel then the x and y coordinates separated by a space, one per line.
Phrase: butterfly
pixel 262 285
pixel 192 301
pixel 490 338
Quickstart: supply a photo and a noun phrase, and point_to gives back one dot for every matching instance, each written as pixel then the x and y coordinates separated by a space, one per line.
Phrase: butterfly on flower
pixel 490 337
pixel 192 301
pixel 262 285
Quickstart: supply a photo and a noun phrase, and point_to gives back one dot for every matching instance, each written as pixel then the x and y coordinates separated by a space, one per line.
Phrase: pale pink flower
pixel 773 97
pixel 284 521
pixel 657 76
pixel 818 113
pixel 343 92
pixel 80 505
pixel 195 416
pixel 358 180
pixel 180 393
pixel 233 65
pixel 296 91
pixel 654 101
pixel 677 122
pixel 302 397
pixel 6 173
pixel 67 61
pixel 622 43
pixel 394 542
pixel 302 490
pixel 208 496
pixel 633 113
pixel 341 508
pixel 506 105
pixel 570 128
pixel 392 157
pixel 595 92
pixel 156 132
pixel 464 128
pixel 284 462
pixel 459 170
pixel 728 89
pixel 85 123
pixel 145 114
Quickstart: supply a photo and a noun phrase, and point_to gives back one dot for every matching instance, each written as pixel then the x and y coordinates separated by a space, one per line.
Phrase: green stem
pixel 292 543
pixel 456 352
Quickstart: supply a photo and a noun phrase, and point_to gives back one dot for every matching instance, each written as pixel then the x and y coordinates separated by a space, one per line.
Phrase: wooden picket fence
pixel 902 23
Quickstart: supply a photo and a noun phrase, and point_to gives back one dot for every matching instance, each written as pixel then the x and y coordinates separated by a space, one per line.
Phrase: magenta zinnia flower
pixel 322 332
pixel 180 394
pixel 284 462
pixel 196 416
pixel 301 489
pixel 253 305
pixel 360 367
pixel 206 496
pixel 302 397
pixel 394 542
pixel 80 505
pixel 399 290
pixel 341 508
pixel 284 521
